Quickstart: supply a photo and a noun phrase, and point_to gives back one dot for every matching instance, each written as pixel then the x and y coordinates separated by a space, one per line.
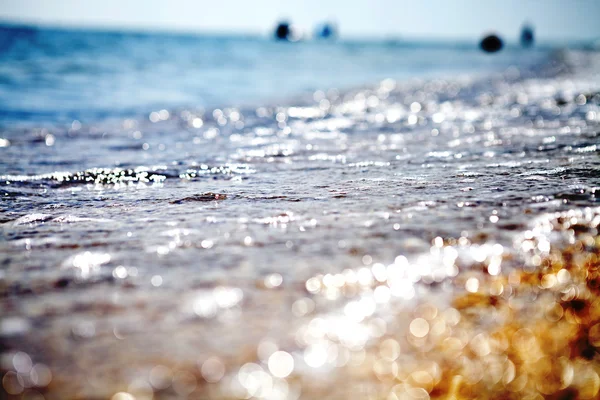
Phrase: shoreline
pixel 426 241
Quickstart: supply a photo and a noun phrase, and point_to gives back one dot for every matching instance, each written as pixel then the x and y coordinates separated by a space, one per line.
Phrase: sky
pixel 554 20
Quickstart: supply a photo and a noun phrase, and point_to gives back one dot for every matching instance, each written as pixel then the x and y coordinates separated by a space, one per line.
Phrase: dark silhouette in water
pixel 491 44
pixel 527 36
pixel 325 31
pixel 283 31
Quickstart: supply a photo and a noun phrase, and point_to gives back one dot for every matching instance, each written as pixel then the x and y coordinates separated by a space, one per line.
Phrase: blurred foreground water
pixel 412 239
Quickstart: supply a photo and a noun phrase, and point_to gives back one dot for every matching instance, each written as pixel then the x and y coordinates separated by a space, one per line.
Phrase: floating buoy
pixel 491 44
pixel 527 36
pixel 325 31
pixel 283 31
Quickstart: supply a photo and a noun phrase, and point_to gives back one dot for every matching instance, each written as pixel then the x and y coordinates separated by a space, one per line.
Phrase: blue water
pixel 58 75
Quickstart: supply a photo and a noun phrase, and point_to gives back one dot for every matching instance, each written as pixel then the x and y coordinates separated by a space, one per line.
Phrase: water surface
pixel 380 242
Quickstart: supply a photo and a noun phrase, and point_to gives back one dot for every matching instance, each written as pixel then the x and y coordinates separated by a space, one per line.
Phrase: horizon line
pixel 264 33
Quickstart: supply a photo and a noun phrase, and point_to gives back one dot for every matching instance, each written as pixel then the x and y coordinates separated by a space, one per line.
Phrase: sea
pixel 232 217
pixel 58 75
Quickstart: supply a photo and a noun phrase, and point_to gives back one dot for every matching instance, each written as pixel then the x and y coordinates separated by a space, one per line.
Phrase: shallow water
pixel 308 250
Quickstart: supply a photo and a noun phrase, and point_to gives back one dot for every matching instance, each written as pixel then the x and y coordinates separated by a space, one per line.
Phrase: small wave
pixel 38 218
pixel 123 177
pixel 32 219
pixel 222 170
pixel 95 176
pixel 69 219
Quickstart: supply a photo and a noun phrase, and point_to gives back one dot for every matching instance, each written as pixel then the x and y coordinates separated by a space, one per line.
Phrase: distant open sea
pixel 58 75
